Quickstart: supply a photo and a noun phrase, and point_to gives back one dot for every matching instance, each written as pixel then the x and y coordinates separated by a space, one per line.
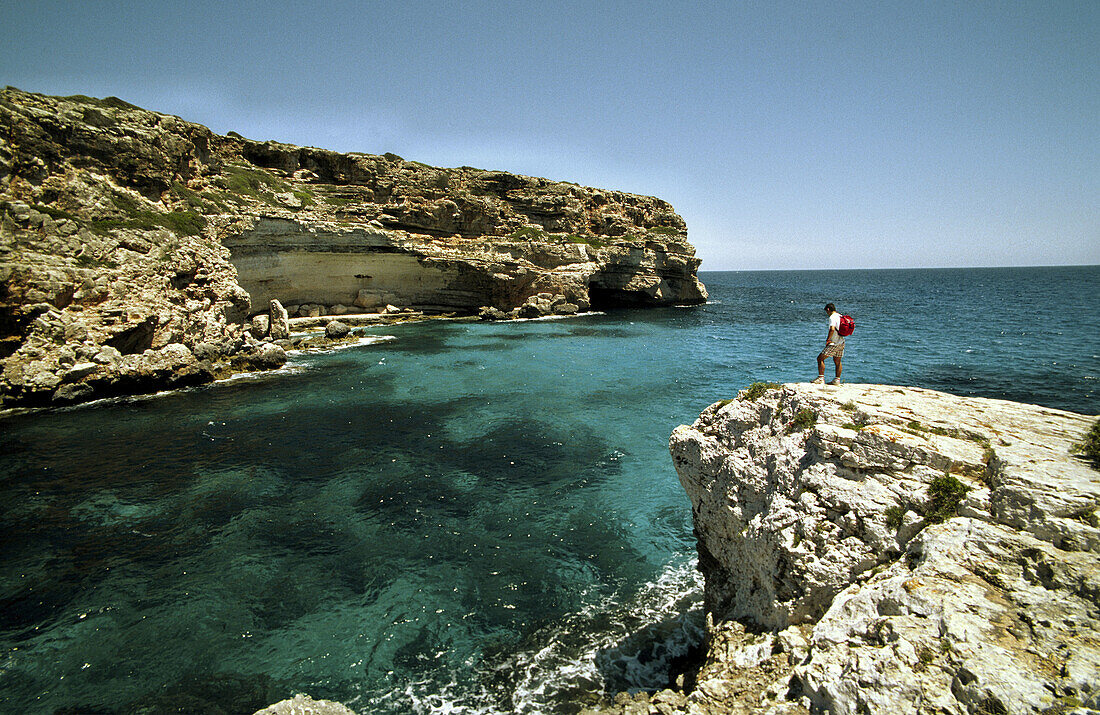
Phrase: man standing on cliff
pixel 834 347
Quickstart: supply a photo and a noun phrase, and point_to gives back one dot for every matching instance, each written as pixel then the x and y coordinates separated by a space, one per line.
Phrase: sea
pixel 451 516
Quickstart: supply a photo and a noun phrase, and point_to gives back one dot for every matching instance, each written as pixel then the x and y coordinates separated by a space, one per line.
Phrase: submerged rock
pixel 904 550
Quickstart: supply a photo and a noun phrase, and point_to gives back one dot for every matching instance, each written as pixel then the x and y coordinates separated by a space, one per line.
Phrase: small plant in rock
pixel 895 517
pixel 723 403
pixel 757 389
pixel 925 656
pixel 945 495
pixel 803 419
pixel 1089 447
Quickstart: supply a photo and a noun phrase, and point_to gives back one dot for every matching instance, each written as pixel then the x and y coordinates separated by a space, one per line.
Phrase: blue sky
pixel 788 135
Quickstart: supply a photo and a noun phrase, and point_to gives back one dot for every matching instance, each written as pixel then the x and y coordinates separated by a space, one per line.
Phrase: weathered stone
pixel 260 326
pixel 831 529
pixel 304 705
pixel 107 355
pixel 336 329
pixel 490 313
pixel 268 356
pixel 367 299
pixel 79 371
pixel 277 321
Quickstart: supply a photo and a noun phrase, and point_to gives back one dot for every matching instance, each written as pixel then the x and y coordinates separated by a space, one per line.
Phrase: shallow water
pixel 467 517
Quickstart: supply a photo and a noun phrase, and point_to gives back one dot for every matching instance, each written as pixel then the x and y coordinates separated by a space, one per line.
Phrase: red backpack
pixel 847 325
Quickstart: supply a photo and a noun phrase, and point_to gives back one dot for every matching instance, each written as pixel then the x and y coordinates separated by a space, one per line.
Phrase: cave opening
pixel 601 298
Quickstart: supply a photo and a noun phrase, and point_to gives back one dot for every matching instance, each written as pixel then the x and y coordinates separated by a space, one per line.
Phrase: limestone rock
pixel 134 230
pixel 278 326
pixel 983 602
pixel 268 357
pixel 335 329
pixel 260 326
pixel 304 705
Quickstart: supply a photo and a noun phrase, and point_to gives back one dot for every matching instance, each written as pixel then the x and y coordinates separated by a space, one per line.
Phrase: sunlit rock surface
pixel 134 230
pixel 819 530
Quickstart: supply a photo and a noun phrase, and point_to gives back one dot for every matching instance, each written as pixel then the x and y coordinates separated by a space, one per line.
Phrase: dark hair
pixel 830 307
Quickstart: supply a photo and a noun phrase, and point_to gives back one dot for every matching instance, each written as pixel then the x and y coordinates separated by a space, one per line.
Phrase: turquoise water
pixel 464 517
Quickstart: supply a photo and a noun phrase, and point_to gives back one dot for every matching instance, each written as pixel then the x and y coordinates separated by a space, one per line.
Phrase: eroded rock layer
pixel 891 550
pixel 127 229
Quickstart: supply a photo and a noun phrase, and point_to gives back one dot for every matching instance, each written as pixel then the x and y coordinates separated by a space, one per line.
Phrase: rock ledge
pixel 878 549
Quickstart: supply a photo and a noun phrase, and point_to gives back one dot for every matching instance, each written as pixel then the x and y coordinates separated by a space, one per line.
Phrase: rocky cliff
pixel 125 232
pixel 874 549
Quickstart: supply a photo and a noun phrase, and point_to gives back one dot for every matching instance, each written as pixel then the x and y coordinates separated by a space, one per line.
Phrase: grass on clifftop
pixel 1089 447
pixel 757 389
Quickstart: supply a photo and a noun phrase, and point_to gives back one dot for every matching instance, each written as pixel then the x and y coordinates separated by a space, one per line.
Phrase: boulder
pixel 107 356
pixel 279 323
pixel 335 329
pixel 268 357
pixel 367 299
pixel 489 312
pixel 260 326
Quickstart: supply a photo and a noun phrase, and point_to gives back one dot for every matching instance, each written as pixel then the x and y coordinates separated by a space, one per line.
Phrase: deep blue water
pixel 467 517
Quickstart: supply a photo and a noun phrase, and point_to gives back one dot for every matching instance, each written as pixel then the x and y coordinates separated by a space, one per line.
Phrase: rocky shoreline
pixel 879 549
pixel 138 250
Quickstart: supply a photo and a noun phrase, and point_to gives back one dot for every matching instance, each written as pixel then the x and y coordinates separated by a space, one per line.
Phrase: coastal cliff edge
pixel 880 549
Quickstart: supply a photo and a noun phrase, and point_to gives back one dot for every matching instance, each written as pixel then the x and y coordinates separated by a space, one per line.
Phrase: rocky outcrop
pixel 892 550
pixel 125 228
pixel 304 705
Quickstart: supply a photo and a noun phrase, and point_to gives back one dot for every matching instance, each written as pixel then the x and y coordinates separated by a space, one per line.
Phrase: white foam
pixel 633 640
pixel 363 340
pixel 552 317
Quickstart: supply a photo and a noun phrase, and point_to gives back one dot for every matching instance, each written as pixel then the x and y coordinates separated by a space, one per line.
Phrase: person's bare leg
pixel 821 366
pixel 836 360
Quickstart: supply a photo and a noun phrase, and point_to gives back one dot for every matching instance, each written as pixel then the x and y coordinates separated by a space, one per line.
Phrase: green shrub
pixel 895 516
pixel 945 494
pixel 52 212
pixel 183 223
pixel 723 403
pixel 590 240
pixel 250 182
pixel 1089 447
pixel 757 389
pixel 803 419
pixel 664 230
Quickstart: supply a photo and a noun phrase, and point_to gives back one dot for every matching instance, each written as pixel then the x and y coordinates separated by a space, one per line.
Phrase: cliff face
pixel 131 230
pixel 892 550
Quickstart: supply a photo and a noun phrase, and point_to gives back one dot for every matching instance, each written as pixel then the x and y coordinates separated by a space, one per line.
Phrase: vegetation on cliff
pixel 134 230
